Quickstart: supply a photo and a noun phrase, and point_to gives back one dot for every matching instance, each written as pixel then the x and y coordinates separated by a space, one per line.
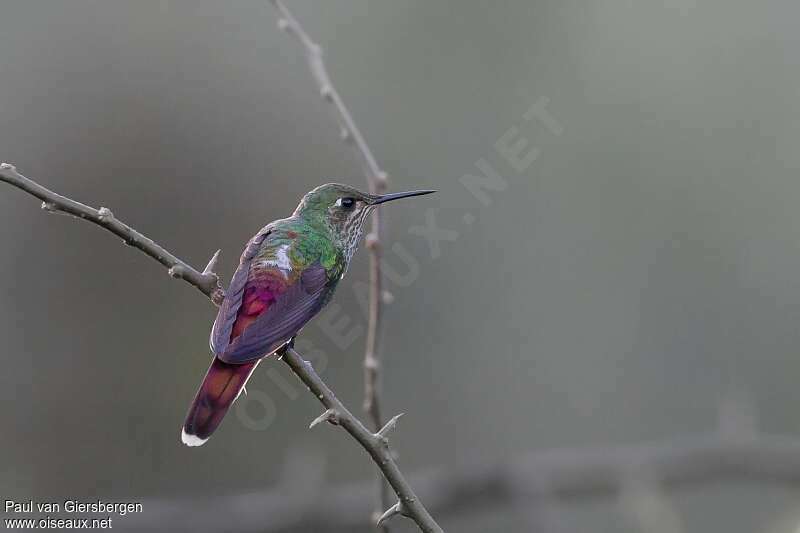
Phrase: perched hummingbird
pixel 287 273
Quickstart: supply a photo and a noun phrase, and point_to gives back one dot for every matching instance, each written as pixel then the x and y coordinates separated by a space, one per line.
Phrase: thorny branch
pixel 560 475
pixel 377 181
pixel 376 444
pixel 206 281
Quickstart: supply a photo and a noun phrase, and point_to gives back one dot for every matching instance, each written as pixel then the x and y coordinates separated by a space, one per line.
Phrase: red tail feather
pixel 219 389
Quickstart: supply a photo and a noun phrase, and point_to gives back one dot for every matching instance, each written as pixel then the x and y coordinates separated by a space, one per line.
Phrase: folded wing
pixel 267 302
pixel 280 320
pixel 229 310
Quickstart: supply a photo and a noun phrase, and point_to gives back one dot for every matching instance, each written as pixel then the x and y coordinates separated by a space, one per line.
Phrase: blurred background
pixel 628 269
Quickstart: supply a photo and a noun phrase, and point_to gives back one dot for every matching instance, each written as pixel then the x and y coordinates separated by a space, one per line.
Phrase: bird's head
pixel 344 209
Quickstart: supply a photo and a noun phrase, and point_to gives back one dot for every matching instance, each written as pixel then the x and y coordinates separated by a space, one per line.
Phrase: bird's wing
pixel 268 303
pixel 283 318
pixel 228 311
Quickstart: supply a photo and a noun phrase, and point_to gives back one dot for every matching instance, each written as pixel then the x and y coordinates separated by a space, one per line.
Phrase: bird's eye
pixel 346 203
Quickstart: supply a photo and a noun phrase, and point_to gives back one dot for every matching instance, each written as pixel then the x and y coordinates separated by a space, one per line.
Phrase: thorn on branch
pixel 388 297
pixel 50 207
pixel 330 416
pixel 390 425
pixel 212 264
pixel 283 24
pixel 392 511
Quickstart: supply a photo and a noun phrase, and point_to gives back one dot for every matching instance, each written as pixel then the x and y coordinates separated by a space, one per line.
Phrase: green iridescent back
pixel 293 245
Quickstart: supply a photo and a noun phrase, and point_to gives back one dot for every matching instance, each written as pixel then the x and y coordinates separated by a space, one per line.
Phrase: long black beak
pixel 397 195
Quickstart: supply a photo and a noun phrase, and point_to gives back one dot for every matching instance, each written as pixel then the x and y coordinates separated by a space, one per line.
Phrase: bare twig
pixel 206 281
pixel 349 130
pixel 562 475
pixel 377 181
pixel 376 445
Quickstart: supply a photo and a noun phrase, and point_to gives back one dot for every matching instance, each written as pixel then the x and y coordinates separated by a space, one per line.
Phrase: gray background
pixel 643 267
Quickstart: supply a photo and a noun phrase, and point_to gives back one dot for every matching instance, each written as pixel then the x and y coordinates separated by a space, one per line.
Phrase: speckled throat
pixel 352 232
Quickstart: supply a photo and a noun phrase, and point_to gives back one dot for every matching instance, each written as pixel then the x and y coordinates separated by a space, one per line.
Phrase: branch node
pixel 390 425
pixel 326 91
pixel 283 24
pixel 330 416
pixel 217 296
pixel 371 363
pixel 372 241
pixel 345 135
pixel 105 213
pixel 8 166
pixel 176 272
pixel 50 207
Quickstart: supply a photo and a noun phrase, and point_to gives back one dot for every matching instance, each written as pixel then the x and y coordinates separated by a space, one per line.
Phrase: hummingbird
pixel 287 273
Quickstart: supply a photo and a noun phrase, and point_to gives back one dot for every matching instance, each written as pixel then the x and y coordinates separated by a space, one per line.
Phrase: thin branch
pixel 376 445
pixel 206 282
pixel 561 475
pixel 377 181
pixel 349 130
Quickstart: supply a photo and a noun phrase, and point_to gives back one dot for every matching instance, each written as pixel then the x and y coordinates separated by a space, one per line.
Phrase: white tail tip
pixel 191 440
